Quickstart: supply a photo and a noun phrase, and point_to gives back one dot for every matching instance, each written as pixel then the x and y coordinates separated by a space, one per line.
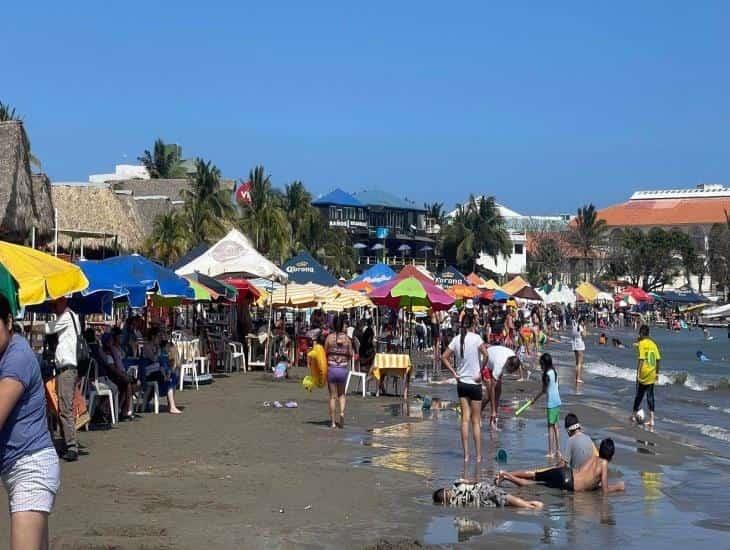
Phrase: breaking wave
pixel 607 370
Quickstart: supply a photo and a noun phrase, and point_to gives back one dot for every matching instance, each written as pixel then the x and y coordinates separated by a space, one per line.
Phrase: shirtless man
pixel 589 477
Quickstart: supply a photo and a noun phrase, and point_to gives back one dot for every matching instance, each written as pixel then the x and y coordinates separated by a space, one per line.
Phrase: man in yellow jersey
pixel 647 371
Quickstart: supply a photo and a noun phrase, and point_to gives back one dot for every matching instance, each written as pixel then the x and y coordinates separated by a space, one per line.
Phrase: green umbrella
pixel 9 288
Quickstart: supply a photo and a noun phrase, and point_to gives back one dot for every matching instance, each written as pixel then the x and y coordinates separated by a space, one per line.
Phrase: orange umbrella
pixel 476 280
pixel 362 286
pixel 461 292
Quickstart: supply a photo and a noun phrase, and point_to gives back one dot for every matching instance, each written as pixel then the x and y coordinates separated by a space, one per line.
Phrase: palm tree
pixel 435 212
pixel 7 113
pixel 208 208
pixel 264 219
pixel 168 240
pixel 336 252
pixel 164 161
pixel 299 210
pixel 587 233
pixel 477 228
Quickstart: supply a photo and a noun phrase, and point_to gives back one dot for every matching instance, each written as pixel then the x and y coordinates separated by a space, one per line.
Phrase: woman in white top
pixel 579 347
pixel 469 352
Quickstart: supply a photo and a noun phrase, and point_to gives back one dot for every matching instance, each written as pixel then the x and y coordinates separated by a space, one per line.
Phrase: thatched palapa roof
pixel 95 212
pixel 23 201
pixel 170 188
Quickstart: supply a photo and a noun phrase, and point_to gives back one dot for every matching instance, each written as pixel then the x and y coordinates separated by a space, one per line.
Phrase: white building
pixel 518 225
pixel 122 172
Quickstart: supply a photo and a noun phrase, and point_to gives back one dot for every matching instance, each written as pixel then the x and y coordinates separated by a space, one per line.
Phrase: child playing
pixel 550 386
pixel 281 370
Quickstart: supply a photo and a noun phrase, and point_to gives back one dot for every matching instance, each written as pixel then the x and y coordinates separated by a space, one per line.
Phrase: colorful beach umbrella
pixel 461 292
pixel 9 289
pixel 494 296
pixel 409 292
pixel 39 276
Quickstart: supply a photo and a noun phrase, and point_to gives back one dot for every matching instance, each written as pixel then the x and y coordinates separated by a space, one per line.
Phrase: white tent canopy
pixel 559 294
pixel 234 254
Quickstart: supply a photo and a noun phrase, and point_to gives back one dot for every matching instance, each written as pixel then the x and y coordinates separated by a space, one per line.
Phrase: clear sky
pixel 546 105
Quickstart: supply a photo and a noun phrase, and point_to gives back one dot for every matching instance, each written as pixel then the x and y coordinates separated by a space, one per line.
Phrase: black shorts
pixel 560 477
pixel 473 392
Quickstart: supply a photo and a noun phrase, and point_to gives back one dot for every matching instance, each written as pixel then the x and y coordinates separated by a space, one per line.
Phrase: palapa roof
pixel 92 211
pixel 170 188
pixel 149 208
pixel 22 199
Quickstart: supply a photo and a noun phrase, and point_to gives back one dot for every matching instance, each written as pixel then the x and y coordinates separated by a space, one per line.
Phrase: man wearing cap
pixel 68 329
pixel 580 446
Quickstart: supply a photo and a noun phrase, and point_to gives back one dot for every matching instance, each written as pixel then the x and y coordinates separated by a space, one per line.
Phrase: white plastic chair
pixel 362 376
pixel 235 357
pixel 100 389
pixel 203 361
pixel 192 370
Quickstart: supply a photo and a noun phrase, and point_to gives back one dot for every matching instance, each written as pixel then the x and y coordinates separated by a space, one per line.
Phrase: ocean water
pixel 686 503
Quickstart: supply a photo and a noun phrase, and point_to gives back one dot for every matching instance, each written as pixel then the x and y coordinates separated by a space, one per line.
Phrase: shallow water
pixel 687 504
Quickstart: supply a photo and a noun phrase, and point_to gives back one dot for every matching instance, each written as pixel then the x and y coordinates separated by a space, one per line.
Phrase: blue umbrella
pixel 303 268
pixel 133 276
pixel 376 275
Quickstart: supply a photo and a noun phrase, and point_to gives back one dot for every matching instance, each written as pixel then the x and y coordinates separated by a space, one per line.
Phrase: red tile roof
pixel 667 212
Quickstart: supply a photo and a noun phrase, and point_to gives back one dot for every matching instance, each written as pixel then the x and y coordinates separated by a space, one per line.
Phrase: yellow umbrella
pixel 587 291
pixel 347 299
pixel 40 276
pixel 302 296
pixel 515 285
pixel 491 284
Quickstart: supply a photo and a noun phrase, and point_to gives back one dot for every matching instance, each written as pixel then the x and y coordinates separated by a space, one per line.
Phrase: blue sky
pixel 545 105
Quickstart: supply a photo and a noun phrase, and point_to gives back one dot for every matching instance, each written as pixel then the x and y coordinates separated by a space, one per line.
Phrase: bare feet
pixel 578 380
pixel 175 411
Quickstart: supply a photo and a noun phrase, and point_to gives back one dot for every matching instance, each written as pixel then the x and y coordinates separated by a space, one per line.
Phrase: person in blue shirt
pixel 28 461
pixel 550 387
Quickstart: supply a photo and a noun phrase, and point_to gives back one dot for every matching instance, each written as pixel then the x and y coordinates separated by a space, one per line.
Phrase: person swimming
pixel 617 343
pixel 701 356
pixel 589 477
pixel 602 340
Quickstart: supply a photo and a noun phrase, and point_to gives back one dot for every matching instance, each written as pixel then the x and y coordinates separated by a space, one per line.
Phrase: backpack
pixel 82 348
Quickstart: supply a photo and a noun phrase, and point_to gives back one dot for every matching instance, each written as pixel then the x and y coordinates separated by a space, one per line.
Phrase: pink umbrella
pixel 411 292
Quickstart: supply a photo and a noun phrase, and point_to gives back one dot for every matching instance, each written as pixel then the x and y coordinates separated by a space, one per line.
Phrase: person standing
pixel 469 352
pixel 28 462
pixel 339 351
pixel 552 409
pixel 68 329
pixel 578 345
pixel 647 371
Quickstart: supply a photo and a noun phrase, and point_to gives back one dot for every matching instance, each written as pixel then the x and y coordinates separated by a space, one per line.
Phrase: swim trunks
pixel 560 477
pixel 553 415
pixel 336 374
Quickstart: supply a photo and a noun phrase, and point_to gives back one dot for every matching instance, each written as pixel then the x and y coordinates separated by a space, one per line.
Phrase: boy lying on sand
pixel 480 495
pixel 589 477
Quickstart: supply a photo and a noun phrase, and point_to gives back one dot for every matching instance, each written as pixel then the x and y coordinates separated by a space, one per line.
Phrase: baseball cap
pixel 470 304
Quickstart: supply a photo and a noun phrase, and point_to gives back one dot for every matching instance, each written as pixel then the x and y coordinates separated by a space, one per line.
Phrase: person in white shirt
pixel 68 329
pixel 579 347
pixel 465 357
pixel 499 359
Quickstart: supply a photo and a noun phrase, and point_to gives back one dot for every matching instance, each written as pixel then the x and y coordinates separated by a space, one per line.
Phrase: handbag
pixel 82 348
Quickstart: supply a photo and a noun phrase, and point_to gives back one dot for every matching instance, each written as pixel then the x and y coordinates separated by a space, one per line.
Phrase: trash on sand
pixel 308 507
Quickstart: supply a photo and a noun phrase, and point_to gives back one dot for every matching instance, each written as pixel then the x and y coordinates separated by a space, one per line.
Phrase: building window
pixel 332 212
pixel 519 248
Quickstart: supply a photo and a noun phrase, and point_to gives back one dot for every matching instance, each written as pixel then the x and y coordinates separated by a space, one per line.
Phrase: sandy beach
pixel 232 473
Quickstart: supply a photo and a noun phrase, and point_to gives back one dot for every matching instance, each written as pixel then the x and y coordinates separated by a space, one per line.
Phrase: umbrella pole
pixel 268 332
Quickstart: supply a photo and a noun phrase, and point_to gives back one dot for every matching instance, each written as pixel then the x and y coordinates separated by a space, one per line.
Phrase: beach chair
pixel 189 369
pixel 362 376
pixel 235 357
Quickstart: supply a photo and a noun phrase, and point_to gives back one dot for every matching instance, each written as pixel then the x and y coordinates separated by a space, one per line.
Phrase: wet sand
pixel 230 473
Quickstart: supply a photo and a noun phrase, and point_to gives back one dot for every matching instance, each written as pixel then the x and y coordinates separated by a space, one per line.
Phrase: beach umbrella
pixel 377 274
pixel 475 280
pixel 528 293
pixel 9 289
pixel 133 276
pixel 362 286
pixel 494 296
pixel 461 292
pixel 514 285
pixel 409 292
pixel 414 271
pixel 245 291
pixel 38 276
pixel 378 246
pixel 359 246
pixel 404 248
pixel 302 296
pixel 217 288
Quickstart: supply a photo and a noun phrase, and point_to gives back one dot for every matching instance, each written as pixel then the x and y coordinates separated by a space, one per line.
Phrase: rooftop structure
pixel 338 197
pixel 122 172
pixel 701 206
pixel 377 197
pixel 515 221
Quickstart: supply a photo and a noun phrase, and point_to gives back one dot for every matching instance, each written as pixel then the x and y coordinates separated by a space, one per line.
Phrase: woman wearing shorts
pixel 28 461
pixel 338 348
pixel 465 357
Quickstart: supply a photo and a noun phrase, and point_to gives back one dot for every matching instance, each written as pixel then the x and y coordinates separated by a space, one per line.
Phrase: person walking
pixel 647 371
pixel 578 345
pixel 28 462
pixel 339 351
pixel 68 328
pixel 464 358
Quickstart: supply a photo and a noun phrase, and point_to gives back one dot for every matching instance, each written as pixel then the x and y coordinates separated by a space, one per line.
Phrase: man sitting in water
pixel 480 495
pixel 580 446
pixel 589 477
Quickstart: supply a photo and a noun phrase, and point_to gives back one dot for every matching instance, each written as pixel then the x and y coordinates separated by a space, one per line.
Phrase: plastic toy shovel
pixel 523 408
